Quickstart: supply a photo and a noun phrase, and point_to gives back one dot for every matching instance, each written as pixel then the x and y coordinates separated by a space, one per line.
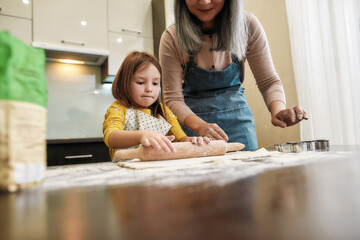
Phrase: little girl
pixel 137 116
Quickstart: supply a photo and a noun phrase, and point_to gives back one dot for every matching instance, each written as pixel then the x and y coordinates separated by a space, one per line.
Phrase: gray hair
pixel 231 28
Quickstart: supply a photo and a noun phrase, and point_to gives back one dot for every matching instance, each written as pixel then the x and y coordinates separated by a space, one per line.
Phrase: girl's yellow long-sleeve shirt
pixel 115 120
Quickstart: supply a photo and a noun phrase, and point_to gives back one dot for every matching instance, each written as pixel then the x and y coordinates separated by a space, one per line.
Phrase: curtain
pixel 325 45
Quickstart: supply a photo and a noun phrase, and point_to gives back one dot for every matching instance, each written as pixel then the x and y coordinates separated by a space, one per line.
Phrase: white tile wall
pixel 77 101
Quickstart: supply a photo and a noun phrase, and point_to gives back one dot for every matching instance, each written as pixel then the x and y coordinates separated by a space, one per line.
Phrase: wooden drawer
pixel 76 151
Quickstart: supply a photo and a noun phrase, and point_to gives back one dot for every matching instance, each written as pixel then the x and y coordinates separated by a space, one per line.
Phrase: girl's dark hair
pixel 231 28
pixel 121 89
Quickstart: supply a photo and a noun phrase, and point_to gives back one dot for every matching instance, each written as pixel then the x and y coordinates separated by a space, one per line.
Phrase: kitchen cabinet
pixel 15 17
pixel 130 28
pixel 18 27
pixel 71 23
pixel 76 151
pixel 16 8
pixel 121 44
pixel 131 17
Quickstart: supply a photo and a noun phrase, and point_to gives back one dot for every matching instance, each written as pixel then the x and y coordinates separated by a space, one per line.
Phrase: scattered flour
pixel 217 170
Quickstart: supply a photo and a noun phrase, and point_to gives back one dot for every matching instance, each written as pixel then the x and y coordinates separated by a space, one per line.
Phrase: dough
pixel 190 162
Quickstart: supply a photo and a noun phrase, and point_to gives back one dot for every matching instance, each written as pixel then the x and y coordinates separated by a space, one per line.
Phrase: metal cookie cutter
pixel 291 147
pixel 311 145
pixel 286 148
pixel 322 145
pixel 298 146
pixel 295 147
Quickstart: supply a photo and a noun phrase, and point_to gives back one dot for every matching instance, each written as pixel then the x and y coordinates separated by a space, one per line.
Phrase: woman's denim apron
pixel 217 97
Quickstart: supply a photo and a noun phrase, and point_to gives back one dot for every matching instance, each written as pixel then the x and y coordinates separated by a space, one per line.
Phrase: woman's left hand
pixel 288 117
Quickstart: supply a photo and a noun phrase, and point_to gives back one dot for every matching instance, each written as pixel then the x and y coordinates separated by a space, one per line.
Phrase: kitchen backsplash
pixel 77 101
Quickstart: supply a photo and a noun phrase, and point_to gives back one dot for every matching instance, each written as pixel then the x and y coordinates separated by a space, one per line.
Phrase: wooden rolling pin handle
pixel 234 146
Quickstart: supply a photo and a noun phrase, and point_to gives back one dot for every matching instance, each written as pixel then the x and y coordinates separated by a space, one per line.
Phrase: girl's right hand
pixel 212 131
pixel 158 141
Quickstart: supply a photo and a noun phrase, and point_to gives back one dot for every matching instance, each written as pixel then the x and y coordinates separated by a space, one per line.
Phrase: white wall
pixel 273 17
pixel 77 101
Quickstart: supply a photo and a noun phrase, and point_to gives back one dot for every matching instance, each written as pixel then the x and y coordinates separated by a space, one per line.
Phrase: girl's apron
pixel 217 97
pixel 138 120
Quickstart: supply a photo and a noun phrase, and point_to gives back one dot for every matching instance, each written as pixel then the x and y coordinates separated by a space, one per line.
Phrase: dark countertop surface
pixel 317 198
pixel 74 140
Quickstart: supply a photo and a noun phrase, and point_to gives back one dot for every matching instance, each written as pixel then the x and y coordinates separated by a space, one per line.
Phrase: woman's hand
pixel 288 117
pixel 212 131
pixel 204 129
pixel 158 141
pixel 196 140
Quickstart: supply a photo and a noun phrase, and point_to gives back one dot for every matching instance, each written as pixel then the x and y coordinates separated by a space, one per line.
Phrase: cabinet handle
pixel 79 156
pixel 129 30
pixel 72 42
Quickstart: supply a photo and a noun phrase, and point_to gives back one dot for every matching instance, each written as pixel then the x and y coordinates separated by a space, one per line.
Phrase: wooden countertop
pixel 314 200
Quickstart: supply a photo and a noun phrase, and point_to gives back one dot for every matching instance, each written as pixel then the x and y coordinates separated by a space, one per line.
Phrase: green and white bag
pixel 23 101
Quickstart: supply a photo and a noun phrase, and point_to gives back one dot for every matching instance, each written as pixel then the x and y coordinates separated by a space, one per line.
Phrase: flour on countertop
pixel 136 164
pixel 217 170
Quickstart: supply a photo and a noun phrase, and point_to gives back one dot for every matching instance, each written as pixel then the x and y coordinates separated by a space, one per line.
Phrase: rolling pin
pixel 183 150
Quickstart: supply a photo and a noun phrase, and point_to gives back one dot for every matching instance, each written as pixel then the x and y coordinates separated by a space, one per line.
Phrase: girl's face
pixel 205 10
pixel 145 86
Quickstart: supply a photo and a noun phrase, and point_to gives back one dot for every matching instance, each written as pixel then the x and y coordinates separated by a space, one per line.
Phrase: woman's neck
pixel 208 26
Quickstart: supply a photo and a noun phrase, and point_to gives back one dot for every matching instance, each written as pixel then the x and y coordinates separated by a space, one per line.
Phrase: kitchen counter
pixel 317 197
pixel 74 140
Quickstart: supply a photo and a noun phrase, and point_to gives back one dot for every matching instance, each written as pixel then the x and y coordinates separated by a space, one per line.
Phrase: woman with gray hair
pixel 202 57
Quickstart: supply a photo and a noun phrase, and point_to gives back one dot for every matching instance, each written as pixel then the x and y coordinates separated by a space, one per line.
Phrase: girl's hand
pixel 196 140
pixel 212 131
pixel 158 141
pixel 289 117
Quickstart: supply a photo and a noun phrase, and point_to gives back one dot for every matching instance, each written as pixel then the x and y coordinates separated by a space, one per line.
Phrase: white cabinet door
pixel 70 23
pixel 18 27
pixel 120 45
pixel 15 17
pixel 16 8
pixel 132 17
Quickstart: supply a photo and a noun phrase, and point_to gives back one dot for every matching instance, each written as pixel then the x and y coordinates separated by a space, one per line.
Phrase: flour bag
pixel 23 99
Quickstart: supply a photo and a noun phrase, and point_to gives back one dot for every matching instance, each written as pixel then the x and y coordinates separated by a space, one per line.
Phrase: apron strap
pixel 235 59
pixel 191 58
